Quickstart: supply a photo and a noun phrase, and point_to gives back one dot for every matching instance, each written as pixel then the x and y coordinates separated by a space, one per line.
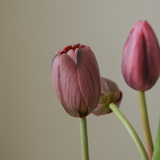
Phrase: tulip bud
pixel 110 93
pixel 76 79
pixel 141 57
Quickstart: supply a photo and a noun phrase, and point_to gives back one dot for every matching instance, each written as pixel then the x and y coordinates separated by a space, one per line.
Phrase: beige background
pixel 33 124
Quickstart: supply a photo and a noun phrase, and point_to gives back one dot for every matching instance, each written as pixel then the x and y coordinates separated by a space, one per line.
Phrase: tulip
pixel 110 93
pixel 76 79
pixel 141 57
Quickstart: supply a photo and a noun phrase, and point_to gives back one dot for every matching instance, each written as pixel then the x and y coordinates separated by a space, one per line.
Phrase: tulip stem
pixel 84 138
pixel 145 123
pixel 130 129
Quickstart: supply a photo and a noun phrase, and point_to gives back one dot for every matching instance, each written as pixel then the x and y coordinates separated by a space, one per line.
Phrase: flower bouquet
pixel 81 90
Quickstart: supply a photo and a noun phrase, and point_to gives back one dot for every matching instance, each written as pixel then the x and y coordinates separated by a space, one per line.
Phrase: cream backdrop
pixel 33 124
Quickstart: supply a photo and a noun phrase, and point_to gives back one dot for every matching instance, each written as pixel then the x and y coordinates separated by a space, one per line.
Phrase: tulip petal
pixel 88 77
pixel 64 77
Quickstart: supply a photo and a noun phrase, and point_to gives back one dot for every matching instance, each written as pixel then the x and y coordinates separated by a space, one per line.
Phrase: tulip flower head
pixel 141 57
pixel 76 79
pixel 110 93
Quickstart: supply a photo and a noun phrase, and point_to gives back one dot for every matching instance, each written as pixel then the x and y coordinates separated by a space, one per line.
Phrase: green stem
pixel 145 123
pixel 84 138
pixel 130 129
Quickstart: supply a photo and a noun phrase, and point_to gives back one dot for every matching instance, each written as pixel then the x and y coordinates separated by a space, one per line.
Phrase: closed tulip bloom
pixel 76 79
pixel 110 93
pixel 141 57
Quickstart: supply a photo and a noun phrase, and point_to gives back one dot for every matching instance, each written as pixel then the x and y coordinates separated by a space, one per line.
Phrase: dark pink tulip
pixel 141 57
pixel 110 93
pixel 76 79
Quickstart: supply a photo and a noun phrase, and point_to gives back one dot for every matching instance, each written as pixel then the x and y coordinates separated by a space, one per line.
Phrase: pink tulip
pixel 110 93
pixel 76 79
pixel 141 57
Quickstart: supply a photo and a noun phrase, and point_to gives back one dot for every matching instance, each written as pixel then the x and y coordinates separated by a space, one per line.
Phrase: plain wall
pixel 33 124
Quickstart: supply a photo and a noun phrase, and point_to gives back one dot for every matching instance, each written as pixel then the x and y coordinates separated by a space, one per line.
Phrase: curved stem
pixel 84 138
pixel 130 129
pixel 145 123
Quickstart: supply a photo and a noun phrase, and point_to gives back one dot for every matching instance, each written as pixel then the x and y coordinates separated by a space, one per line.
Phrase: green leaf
pixel 156 152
